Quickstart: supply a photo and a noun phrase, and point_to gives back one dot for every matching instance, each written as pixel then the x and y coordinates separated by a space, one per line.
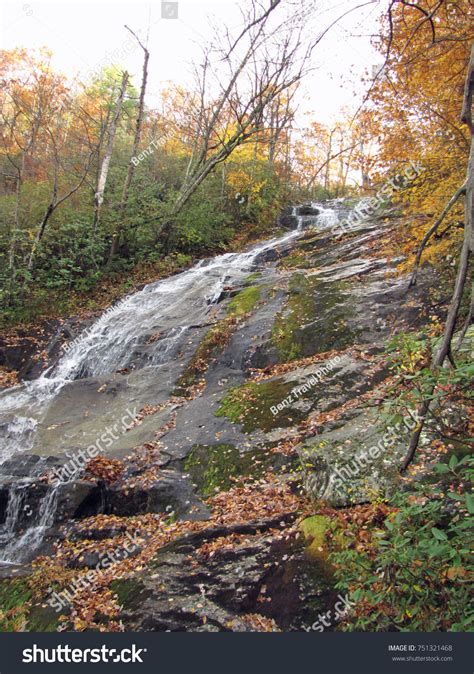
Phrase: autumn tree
pixel 424 95
pixel 257 65
pixel 416 99
pixel 136 143
pixel 29 89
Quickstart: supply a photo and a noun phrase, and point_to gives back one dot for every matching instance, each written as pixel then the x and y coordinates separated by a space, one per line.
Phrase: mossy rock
pixel 44 618
pixel 217 338
pixel 314 319
pixel 251 278
pixel 15 599
pixel 214 341
pixel 130 592
pixel 318 548
pixel 20 612
pixel 218 467
pixel 250 405
pixel 297 260
pixel 314 530
pixel 244 302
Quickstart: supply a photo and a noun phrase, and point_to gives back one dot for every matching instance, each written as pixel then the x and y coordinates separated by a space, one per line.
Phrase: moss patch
pixel 314 530
pixel 130 592
pixel 44 618
pixel 18 610
pixel 215 340
pixel 313 320
pixel 244 302
pixel 252 277
pixel 15 599
pixel 218 467
pixel 249 405
pixel 297 260
pixel 317 550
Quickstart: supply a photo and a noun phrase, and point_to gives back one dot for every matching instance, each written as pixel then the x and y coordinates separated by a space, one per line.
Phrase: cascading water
pixel 165 308
pixel 17 548
pixel 21 429
pixel 327 218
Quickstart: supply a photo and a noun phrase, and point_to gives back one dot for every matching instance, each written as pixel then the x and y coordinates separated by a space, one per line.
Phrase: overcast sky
pixel 82 35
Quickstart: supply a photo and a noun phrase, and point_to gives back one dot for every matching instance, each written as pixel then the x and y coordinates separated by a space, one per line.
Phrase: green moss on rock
pixel 249 405
pixel 215 340
pixel 251 278
pixel 314 530
pixel 297 260
pixel 130 592
pixel 218 467
pixel 244 302
pixel 313 320
pixel 19 611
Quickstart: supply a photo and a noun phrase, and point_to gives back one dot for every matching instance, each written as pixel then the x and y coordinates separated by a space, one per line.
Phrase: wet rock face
pixel 188 590
pixel 30 351
pixel 18 349
pixel 171 492
pixel 315 320
pixel 314 295
pixel 332 297
pixel 34 524
pixel 288 221
pixel 308 209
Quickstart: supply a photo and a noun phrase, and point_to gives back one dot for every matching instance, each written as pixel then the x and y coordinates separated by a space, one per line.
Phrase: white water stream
pixel 169 307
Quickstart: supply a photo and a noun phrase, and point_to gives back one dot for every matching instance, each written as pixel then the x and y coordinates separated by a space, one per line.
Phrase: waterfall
pixel 167 308
pixel 21 429
pixel 19 548
pixel 327 218
pixel 16 498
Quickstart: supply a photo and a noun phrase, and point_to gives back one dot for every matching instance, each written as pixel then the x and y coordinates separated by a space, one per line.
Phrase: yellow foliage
pixel 418 101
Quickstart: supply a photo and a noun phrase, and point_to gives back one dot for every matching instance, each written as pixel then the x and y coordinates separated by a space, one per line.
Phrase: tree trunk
pixel 136 143
pixel 16 217
pixel 39 235
pixel 104 169
pixel 53 205
pixel 444 350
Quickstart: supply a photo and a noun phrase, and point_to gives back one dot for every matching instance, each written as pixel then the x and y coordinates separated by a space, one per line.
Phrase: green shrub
pixel 414 573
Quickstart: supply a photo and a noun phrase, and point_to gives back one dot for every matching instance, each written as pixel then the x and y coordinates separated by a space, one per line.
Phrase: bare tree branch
pixel 432 230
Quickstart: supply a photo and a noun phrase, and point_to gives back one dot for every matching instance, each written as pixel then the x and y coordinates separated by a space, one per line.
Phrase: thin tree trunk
pixel 39 235
pixel 53 205
pixel 328 163
pixel 16 217
pixel 468 322
pixel 136 143
pixel 444 350
pixel 432 230
pixel 29 148
pixel 104 169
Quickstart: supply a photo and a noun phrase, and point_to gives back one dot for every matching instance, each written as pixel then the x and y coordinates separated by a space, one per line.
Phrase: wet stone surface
pixel 288 301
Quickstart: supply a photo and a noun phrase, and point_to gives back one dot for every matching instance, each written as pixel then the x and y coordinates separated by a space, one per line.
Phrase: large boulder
pixel 187 588
pixel 308 209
